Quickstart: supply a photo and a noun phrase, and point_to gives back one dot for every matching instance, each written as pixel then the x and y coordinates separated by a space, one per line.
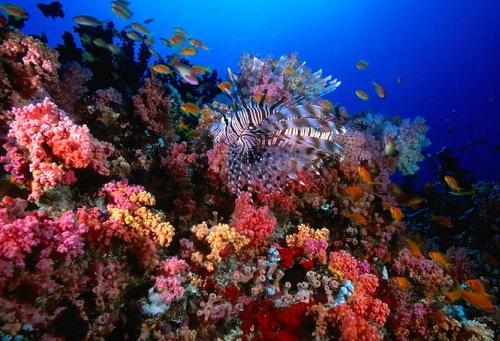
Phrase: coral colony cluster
pixel 124 215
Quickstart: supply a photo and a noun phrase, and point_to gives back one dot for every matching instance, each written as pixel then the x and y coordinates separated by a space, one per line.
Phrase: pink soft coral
pixel 255 223
pixel 21 232
pixel 54 146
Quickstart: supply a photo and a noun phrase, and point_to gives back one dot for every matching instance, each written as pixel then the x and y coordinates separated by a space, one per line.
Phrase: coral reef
pixel 117 219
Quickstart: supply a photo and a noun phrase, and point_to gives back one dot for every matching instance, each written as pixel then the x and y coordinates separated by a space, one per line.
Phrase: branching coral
pixel 127 206
pixel 53 145
pixel 26 64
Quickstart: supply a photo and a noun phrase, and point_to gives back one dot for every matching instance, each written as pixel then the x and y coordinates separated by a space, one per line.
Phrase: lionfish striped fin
pixel 299 143
pixel 302 111
pixel 274 131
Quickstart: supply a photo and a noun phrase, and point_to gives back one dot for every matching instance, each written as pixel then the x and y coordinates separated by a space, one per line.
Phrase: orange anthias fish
pixel 441 220
pixel 197 43
pixel 362 95
pixel 477 286
pixel 199 69
pixel 361 64
pixel 365 175
pixel 188 51
pixel 325 104
pixel 413 201
pixel 452 182
pixel 225 87
pixel 398 192
pixel 355 192
pixel 379 90
pixel 161 68
pixel 480 301
pixel 191 108
pixel 180 31
pixel 414 247
pixel 357 218
pixel 402 283
pixel 396 213
pixel 439 258
pixel 176 40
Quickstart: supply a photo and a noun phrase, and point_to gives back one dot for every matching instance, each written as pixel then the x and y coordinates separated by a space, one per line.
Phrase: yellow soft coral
pixel 298 239
pixel 221 238
pixel 146 223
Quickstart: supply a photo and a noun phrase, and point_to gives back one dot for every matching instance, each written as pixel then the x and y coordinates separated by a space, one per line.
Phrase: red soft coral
pixel 256 223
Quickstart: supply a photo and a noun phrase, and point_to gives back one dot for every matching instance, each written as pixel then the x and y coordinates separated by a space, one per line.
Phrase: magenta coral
pixel 55 146
pixel 21 232
pixel 424 271
pixel 153 107
pixel 169 279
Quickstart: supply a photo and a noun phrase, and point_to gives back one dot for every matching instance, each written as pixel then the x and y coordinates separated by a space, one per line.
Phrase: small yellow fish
pixel 379 90
pixel 361 94
pixel 400 80
pixel 361 65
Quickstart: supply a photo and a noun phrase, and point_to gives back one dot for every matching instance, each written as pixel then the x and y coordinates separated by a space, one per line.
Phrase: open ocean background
pixel 447 53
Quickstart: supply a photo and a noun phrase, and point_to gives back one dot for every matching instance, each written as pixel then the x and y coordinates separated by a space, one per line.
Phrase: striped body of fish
pixel 280 134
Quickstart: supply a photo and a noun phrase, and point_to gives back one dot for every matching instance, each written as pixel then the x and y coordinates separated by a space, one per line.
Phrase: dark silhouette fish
pixel 54 9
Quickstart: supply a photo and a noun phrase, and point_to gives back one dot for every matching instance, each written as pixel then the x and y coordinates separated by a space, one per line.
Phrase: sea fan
pixel 275 129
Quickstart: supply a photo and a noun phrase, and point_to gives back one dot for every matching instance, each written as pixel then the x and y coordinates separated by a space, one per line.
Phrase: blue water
pixel 447 53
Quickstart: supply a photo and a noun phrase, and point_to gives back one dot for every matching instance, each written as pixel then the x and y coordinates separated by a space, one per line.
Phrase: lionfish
pixel 278 131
